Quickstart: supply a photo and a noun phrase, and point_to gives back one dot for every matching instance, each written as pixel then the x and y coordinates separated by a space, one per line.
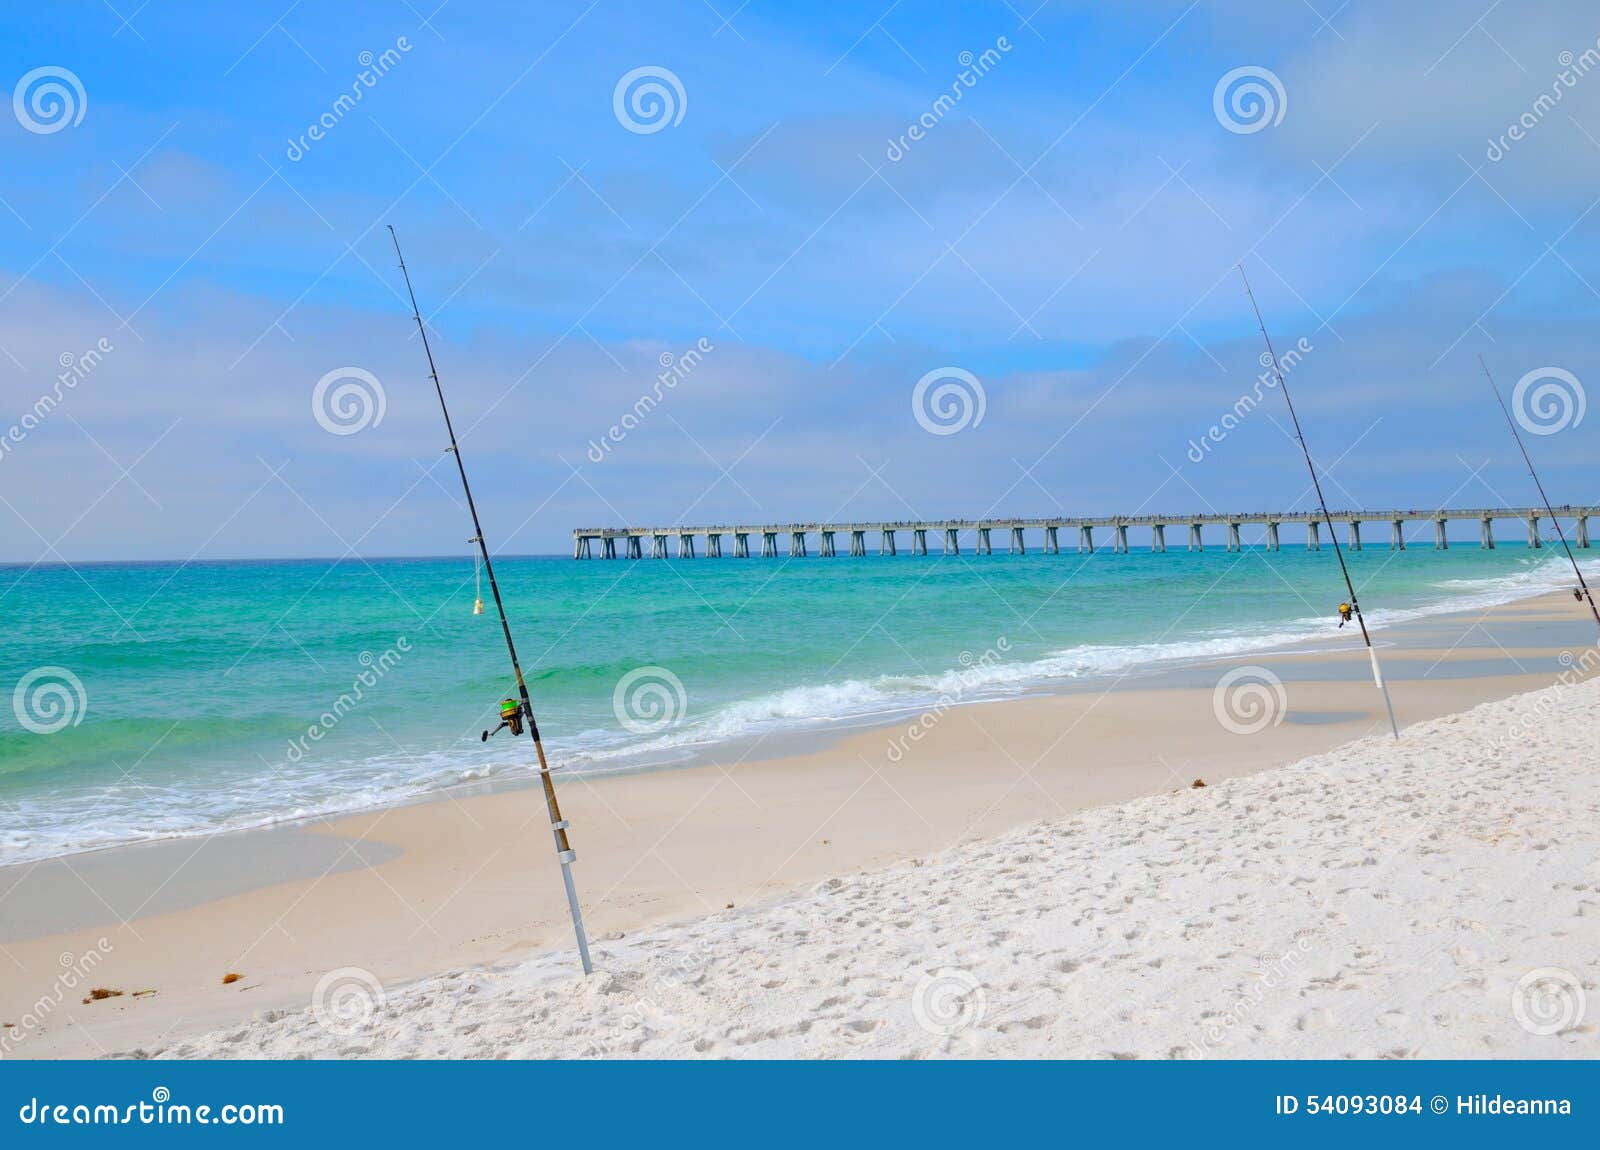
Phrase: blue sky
pixel 1065 233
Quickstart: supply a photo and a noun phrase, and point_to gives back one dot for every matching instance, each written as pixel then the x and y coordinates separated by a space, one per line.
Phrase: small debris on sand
pixel 102 992
pixel 231 977
pixel 1197 784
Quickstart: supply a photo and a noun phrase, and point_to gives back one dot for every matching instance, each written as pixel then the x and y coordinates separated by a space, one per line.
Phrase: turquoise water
pixel 186 696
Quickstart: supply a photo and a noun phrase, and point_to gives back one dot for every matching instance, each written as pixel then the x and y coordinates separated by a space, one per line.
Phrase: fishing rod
pixel 1316 483
pixel 1512 423
pixel 512 712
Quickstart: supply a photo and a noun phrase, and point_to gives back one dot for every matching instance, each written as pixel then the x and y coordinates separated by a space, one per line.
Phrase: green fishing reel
pixel 510 717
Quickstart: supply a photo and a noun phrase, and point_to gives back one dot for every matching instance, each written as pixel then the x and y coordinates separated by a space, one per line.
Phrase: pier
pixel 978 536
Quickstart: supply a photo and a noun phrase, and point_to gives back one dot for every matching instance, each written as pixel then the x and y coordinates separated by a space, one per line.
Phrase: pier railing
pixel 796 539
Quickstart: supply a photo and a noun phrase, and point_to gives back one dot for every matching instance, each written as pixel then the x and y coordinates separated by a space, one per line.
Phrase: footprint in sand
pixel 1317 1018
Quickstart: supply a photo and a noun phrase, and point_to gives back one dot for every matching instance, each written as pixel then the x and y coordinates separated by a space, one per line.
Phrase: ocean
pixel 153 700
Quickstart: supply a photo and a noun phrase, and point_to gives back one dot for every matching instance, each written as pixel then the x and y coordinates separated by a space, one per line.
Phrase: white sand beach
pixel 1429 898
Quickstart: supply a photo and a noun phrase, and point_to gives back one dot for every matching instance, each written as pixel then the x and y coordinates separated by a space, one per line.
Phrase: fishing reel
pixel 510 717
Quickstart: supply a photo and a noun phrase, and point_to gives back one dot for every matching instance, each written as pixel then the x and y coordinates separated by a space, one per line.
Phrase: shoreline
pixel 461 880
pixel 791 737
pixel 825 733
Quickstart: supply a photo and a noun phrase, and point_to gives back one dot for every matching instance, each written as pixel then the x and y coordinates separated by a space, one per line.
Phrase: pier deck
pixel 978 536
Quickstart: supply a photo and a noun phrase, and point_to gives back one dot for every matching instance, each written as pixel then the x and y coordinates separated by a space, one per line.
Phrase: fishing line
pixel 477 575
pixel 1571 558
pixel 512 712
pixel 1316 483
